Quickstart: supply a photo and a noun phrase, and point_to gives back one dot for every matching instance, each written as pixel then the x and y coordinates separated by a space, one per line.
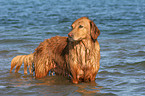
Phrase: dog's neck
pixel 87 43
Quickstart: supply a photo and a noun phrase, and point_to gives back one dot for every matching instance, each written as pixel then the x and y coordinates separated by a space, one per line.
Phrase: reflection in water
pixel 62 86
pixel 88 88
pixel 53 85
pixel 19 80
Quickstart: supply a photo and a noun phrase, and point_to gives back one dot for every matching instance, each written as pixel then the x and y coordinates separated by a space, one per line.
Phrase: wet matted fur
pixel 76 56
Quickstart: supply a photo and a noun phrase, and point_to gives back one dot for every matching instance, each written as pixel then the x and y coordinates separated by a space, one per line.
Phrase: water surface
pixel 26 23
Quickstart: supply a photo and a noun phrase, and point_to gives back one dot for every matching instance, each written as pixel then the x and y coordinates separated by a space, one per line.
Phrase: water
pixel 26 23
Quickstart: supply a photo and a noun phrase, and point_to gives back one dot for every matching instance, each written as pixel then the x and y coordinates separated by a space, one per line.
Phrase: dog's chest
pixel 81 56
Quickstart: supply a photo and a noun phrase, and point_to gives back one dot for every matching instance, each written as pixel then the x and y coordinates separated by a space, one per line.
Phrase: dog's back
pixel 51 55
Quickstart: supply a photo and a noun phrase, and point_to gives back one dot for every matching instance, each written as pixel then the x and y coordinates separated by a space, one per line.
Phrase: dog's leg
pixel 74 75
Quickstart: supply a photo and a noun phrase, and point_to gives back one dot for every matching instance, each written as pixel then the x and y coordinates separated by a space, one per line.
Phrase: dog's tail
pixel 19 60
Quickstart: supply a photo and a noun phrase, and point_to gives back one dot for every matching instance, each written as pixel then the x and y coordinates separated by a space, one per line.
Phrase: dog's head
pixel 83 28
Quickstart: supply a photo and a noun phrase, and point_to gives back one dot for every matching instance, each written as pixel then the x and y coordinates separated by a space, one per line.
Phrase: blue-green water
pixel 26 23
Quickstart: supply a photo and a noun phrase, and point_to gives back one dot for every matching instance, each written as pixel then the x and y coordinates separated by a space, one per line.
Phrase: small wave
pixel 51 33
pixel 117 66
pixel 139 53
pixel 122 32
pixel 122 83
pixel 106 94
pixel 141 89
pixel 110 73
pixel 10 53
pixel 1 86
pixel 56 33
pixel 137 65
pixel 49 15
pixel 9 21
pixel 3 52
pixel 64 20
pixel 12 41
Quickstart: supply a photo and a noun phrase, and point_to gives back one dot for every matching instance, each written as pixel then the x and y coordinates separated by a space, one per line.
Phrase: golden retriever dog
pixel 76 57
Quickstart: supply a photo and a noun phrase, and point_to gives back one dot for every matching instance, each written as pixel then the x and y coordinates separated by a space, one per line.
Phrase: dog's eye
pixel 81 26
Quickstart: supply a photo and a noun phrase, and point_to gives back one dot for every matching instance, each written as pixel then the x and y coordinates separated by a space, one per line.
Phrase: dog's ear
pixel 95 32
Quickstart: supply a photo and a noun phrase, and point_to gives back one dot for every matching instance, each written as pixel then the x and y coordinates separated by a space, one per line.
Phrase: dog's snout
pixel 70 34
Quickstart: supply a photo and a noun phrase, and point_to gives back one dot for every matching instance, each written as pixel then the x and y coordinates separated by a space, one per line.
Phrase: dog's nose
pixel 70 34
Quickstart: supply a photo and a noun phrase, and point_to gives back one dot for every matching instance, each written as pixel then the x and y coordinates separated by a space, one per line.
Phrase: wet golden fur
pixel 18 60
pixel 76 56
